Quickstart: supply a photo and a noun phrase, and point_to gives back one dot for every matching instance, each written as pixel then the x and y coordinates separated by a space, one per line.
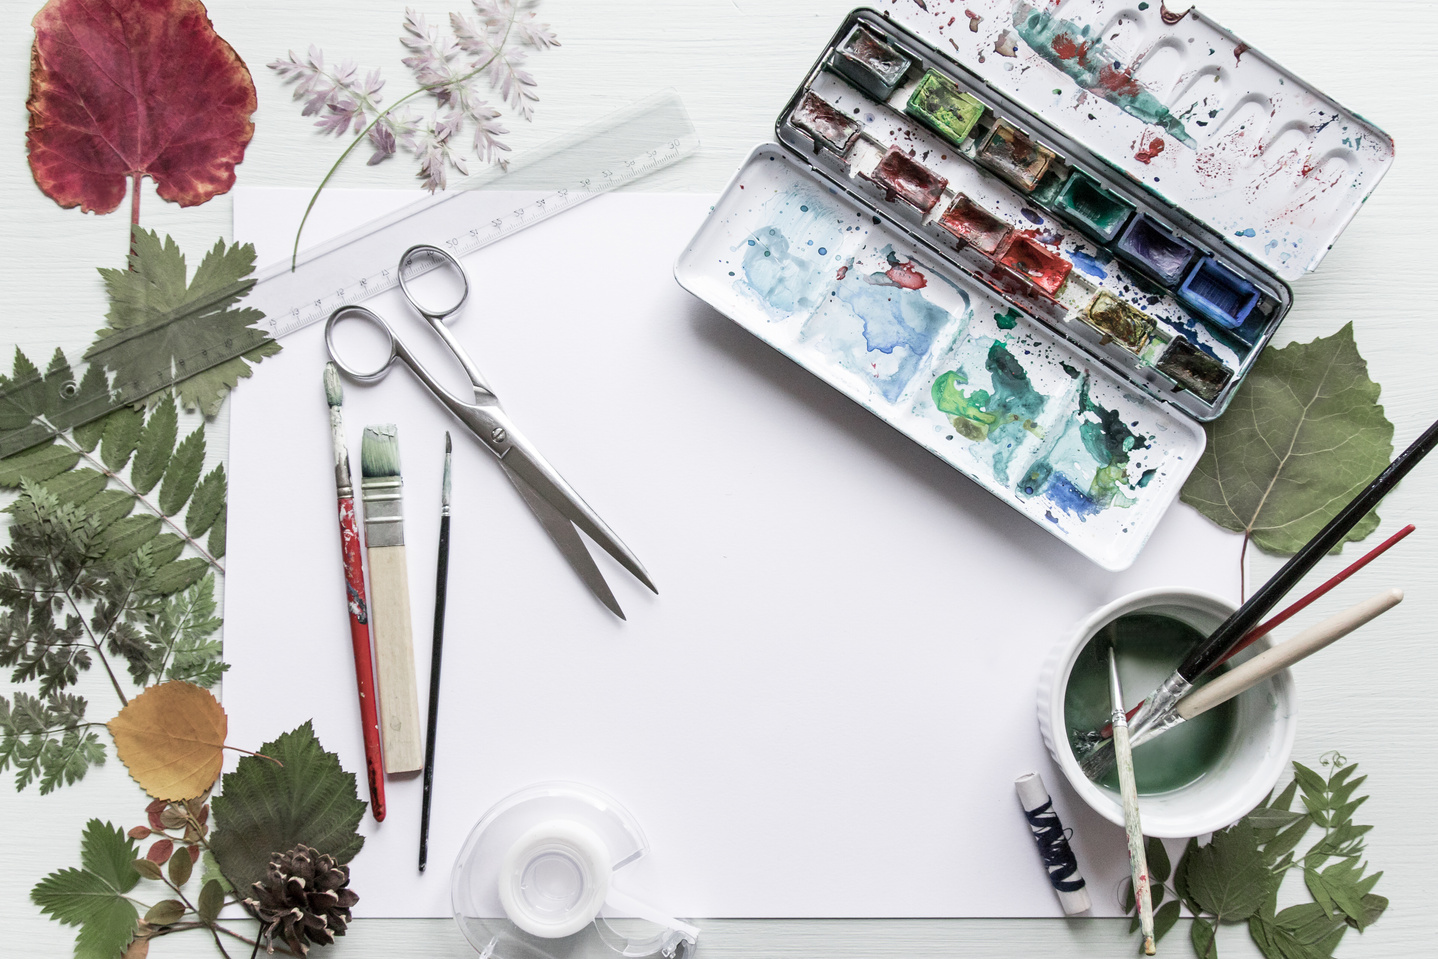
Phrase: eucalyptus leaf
pixel 264 808
pixel 1303 435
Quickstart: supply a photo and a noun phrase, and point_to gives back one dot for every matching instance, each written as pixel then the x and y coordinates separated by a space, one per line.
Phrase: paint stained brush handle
pixel 364 662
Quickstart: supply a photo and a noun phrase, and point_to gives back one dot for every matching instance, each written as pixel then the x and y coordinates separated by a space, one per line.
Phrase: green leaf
pixel 173 577
pixel 37 464
pixel 148 869
pixel 1373 907
pixel 180 867
pixel 1204 944
pixel 183 472
pixel 1159 867
pixel 212 899
pixel 93 896
pixel 166 912
pixel 156 444
pixel 181 327
pixel 124 536
pixel 1164 918
pixel 1303 435
pixel 110 505
pixel 183 635
pixel 77 486
pixel 216 543
pixel 263 808
pixel 1126 898
pixel 209 499
pixel 1273 818
pixel 1229 876
pixel 165 548
pixel 1287 840
pixel 122 433
pixel 87 435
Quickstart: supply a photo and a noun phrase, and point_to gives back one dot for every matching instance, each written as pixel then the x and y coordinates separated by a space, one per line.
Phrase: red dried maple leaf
pixel 121 89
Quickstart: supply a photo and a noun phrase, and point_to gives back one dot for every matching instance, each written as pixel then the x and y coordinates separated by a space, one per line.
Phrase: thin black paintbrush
pixel 441 586
pixel 1163 700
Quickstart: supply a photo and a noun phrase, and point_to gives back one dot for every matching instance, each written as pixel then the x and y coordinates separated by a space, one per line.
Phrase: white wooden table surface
pixel 735 62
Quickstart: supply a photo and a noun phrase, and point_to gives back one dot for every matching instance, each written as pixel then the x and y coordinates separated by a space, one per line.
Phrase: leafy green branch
pixel 1237 875
pixel 81 585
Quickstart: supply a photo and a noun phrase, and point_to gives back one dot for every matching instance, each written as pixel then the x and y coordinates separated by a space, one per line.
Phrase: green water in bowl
pixel 1149 646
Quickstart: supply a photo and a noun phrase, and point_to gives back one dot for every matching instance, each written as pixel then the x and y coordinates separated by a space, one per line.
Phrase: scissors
pixel 557 506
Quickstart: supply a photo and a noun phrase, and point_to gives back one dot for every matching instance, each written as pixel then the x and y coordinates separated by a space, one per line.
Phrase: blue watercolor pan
pixel 1151 247
pixel 1218 293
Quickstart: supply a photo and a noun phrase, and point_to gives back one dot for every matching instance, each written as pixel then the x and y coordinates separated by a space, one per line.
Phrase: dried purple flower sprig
pixel 489 49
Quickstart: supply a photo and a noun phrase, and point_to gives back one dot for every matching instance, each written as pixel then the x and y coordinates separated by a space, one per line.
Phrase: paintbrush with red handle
pixel 1262 630
pixel 355 595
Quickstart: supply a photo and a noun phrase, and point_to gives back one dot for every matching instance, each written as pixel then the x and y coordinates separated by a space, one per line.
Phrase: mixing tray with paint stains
pixel 1043 319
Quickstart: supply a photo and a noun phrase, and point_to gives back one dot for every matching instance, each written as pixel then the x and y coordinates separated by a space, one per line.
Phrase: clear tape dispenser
pixel 534 880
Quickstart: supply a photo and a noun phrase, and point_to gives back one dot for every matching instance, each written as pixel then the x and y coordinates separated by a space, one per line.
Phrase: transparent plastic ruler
pixel 620 149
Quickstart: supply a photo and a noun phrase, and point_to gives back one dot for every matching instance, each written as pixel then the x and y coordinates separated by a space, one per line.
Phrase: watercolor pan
pixel 1193 369
pixel 974 225
pixel 828 126
pixel 1151 247
pixel 938 101
pixel 901 176
pixel 1121 322
pixel 1041 266
pixel 1218 293
pixel 1010 153
pixel 871 63
pixel 1093 209
pixel 1032 338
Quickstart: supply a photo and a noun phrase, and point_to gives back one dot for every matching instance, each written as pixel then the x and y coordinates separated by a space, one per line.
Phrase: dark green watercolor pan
pixel 1091 208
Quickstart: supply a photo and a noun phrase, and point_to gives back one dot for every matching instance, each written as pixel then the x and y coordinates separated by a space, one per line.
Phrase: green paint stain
pixel 1149 646
pixel 1143 6
pixel 1003 416
pixel 1008 320
pixel 1092 65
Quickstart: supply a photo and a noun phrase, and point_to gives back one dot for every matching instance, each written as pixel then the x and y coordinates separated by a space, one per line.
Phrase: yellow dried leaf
pixel 170 736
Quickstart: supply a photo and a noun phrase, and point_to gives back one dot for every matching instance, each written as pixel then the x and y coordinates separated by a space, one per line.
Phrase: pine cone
pixel 304 895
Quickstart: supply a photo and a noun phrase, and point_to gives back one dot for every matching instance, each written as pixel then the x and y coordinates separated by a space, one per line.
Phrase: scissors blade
pixel 524 461
pixel 566 537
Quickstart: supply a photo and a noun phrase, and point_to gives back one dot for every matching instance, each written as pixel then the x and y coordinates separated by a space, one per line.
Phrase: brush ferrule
pixel 383 510
pixel 343 483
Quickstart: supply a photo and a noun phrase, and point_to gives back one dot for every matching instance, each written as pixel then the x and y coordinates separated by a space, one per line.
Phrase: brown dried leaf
pixel 140 947
pixel 170 736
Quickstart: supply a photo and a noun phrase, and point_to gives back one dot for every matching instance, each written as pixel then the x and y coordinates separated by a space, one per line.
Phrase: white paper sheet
pixel 823 711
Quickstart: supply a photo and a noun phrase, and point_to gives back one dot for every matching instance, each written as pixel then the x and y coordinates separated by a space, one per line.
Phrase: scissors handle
pixel 435 316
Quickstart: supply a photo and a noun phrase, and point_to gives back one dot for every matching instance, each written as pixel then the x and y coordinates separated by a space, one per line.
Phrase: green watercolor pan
pixel 952 261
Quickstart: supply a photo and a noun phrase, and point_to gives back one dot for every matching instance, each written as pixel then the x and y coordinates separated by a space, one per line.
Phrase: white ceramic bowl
pixel 1244 774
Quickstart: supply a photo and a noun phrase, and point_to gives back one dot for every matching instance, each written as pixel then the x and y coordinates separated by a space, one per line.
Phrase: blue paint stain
pixel 1069 498
pixel 1247 232
pixel 1089 265
pixel 1032 217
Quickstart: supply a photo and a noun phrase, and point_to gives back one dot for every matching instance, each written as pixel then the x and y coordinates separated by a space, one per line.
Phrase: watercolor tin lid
pixel 1185 108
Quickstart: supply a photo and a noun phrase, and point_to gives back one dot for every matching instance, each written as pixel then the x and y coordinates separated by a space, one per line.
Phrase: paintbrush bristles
pixel 334 395
pixel 334 386
pixel 379 451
